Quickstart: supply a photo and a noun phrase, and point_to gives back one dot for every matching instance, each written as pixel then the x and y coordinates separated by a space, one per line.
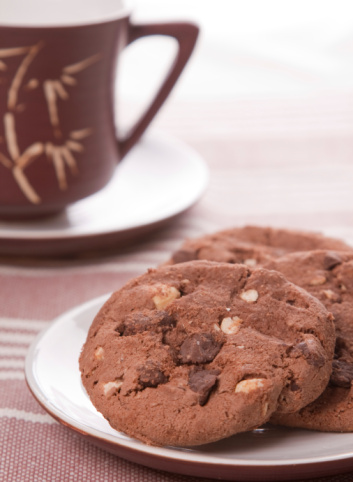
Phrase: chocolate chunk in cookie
pixel 311 353
pixel 159 321
pixel 199 348
pixel 331 260
pixel 202 382
pixel 342 374
pixel 151 376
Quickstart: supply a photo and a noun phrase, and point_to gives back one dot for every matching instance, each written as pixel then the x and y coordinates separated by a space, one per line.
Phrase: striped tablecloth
pixel 272 162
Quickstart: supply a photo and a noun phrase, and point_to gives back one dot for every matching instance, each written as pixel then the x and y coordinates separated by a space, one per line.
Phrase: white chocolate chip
pixel 250 296
pixel 111 387
pixel 250 262
pixel 318 280
pixel 99 353
pixel 247 386
pixel 165 295
pixel 216 327
pixel 230 326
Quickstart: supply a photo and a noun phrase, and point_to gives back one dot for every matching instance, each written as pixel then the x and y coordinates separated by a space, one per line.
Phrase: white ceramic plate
pixel 270 453
pixel 159 179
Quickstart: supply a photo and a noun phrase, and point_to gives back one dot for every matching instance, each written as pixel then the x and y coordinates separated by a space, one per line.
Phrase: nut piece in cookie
pixel 165 295
pixel 231 326
pixel 250 296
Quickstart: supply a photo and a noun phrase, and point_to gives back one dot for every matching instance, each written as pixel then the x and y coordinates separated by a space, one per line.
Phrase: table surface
pixel 282 161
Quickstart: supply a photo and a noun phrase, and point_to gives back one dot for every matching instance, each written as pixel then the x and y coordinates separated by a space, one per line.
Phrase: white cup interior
pixel 47 13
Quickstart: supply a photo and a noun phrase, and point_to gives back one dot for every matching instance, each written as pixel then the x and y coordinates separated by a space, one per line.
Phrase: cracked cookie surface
pixel 195 352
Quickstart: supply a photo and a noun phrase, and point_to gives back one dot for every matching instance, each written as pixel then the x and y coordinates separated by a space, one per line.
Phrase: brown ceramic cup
pixel 58 140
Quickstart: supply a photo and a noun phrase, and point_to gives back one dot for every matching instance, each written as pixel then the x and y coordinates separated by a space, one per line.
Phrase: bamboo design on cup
pixel 61 153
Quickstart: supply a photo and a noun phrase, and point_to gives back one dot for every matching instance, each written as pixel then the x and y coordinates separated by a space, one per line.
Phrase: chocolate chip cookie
pixel 253 245
pixel 195 352
pixel 328 276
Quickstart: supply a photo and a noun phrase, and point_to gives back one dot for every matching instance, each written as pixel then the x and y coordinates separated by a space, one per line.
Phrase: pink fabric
pixel 279 163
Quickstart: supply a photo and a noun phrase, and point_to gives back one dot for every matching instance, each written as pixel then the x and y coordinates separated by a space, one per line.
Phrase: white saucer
pixel 159 179
pixel 272 453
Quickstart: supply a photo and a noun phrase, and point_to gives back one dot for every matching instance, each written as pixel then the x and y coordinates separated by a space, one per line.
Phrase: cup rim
pixel 123 12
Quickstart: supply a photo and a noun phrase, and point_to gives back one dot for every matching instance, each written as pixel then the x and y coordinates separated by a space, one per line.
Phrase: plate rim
pixel 273 467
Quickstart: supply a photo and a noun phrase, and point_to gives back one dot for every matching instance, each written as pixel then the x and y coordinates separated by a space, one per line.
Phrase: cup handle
pixel 186 35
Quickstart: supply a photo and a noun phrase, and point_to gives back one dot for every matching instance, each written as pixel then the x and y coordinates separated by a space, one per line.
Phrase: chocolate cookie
pixel 329 277
pixel 193 353
pixel 253 245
